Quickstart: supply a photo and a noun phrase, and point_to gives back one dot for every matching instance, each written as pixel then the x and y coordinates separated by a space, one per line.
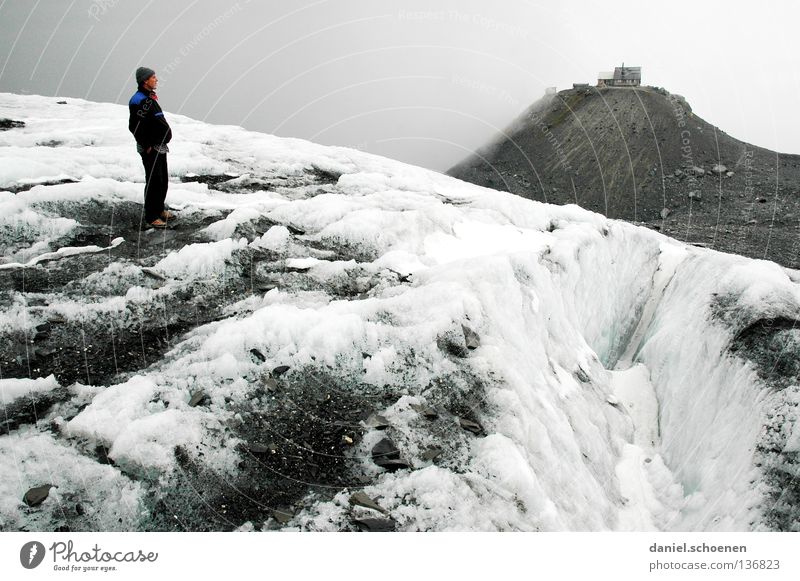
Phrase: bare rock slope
pixel 642 155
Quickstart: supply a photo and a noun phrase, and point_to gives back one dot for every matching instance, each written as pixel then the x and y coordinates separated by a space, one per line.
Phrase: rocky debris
pixel 431 454
pixel 42 331
pixel 471 338
pixel 270 384
pixel 311 457
pixel 459 343
pixel 30 408
pixel 258 355
pixel 375 525
pixel 376 422
pixel 665 212
pixel 37 495
pixel 386 455
pixel 153 274
pixel 470 426
pixel 393 464
pixel 257 448
pixel 698 171
pixel 719 169
pixel 326 175
pixel 280 370
pixel 771 344
pixel 295 230
pixel 283 515
pixel 197 398
pixel 362 499
pixel 101 453
pixel 385 448
pixel 298 268
pixel 761 200
pixel 425 411
pixel 695 195
pixel 6 124
pixel 582 376
pixel 209 179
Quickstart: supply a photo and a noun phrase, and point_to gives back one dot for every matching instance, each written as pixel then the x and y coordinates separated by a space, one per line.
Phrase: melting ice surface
pixel 604 381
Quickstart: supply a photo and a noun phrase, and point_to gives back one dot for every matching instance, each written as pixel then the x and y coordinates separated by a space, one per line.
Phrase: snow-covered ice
pixel 605 382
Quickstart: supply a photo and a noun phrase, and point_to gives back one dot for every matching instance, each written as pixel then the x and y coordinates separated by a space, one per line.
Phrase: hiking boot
pixel 168 216
pixel 158 223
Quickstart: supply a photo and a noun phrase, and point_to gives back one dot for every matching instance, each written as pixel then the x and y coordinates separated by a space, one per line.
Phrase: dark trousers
pixel 156 184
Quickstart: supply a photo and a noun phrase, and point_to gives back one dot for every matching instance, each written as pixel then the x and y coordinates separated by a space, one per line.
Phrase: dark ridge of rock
pixel 6 124
pixel 773 345
pixel 24 187
pixel 780 464
pixel 209 179
pixel 30 408
pixel 248 183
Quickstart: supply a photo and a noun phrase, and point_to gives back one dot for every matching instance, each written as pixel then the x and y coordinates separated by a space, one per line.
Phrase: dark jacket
pixel 147 122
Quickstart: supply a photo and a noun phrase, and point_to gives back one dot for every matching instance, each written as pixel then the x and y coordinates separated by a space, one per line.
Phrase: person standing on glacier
pixel 152 133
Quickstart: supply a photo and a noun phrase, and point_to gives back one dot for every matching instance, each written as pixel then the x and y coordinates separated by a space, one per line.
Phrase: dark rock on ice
pixel 385 450
pixel 37 495
pixel 471 338
pixel 376 422
pixel 282 515
pixel 375 525
pixel 362 499
pixel 197 398
pixel 425 411
pixel 6 124
pixel 280 370
pixel 431 454
pixel 470 426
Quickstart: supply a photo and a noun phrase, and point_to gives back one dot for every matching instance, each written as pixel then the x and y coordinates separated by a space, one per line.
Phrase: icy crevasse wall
pixel 606 293
pixel 712 403
pixel 726 433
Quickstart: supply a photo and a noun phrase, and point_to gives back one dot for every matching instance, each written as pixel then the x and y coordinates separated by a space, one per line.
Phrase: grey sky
pixel 420 81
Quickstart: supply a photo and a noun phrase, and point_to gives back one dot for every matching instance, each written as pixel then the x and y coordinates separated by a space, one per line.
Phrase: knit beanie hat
pixel 142 74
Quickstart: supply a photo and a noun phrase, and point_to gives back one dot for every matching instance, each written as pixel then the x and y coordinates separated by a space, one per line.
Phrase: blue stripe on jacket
pixel 137 98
